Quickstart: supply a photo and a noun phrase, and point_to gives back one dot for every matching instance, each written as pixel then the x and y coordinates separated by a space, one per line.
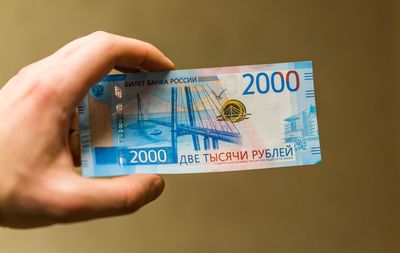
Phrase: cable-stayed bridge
pixel 192 110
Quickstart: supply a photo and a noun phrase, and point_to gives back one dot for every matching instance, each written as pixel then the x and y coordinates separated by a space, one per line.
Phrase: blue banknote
pixel 200 120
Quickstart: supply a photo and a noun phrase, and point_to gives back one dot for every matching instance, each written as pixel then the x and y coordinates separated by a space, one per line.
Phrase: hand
pixel 38 136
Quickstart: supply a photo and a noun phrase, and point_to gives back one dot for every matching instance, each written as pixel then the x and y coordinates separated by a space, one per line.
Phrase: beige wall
pixel 396 67
pixel 346 204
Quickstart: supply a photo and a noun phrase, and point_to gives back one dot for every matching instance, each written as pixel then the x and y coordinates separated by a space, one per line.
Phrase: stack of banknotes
pixel 200 120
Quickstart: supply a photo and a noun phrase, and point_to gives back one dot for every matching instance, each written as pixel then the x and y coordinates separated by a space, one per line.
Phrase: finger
pixel 130 70
pixel 98 55
pixel 136 70
pixel 74 140
pixel 94 198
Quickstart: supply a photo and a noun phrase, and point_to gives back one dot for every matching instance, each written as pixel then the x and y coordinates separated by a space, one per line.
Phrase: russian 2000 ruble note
pixel 200 120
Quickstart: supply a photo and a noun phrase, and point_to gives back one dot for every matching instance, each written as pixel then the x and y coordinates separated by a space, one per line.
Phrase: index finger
pixel 100 53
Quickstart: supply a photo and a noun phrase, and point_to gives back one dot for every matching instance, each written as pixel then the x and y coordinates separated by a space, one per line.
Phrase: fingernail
pixel 171 63
pixel 156 188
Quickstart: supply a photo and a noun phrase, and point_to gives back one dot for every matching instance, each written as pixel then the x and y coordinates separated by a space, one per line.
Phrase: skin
pixel 39 139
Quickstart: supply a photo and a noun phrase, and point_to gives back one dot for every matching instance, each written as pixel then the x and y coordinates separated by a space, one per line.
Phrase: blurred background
pixel 349 203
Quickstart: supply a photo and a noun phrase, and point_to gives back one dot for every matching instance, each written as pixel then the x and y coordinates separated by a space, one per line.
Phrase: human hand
pixel 38 136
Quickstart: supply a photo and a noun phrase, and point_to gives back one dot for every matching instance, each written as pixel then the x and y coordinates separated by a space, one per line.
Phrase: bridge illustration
pixel 192 111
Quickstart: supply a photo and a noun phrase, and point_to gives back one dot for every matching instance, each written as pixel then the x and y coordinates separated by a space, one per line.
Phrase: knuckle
pixel 103 39
pixel 41 87
pixel 30 71
pixel 25 71
pixel 45 88
pixel 98 34
pixel 26 75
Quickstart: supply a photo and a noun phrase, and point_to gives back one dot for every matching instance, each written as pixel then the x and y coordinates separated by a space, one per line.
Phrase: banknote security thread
pixel 200 120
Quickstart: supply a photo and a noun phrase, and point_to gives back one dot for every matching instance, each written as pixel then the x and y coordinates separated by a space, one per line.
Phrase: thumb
pixel 95 198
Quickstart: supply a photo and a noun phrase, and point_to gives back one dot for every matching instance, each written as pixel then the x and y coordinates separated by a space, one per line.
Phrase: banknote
pixel 200 120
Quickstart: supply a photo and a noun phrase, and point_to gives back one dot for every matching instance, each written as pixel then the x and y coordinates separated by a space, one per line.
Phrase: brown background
pixel 349 203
